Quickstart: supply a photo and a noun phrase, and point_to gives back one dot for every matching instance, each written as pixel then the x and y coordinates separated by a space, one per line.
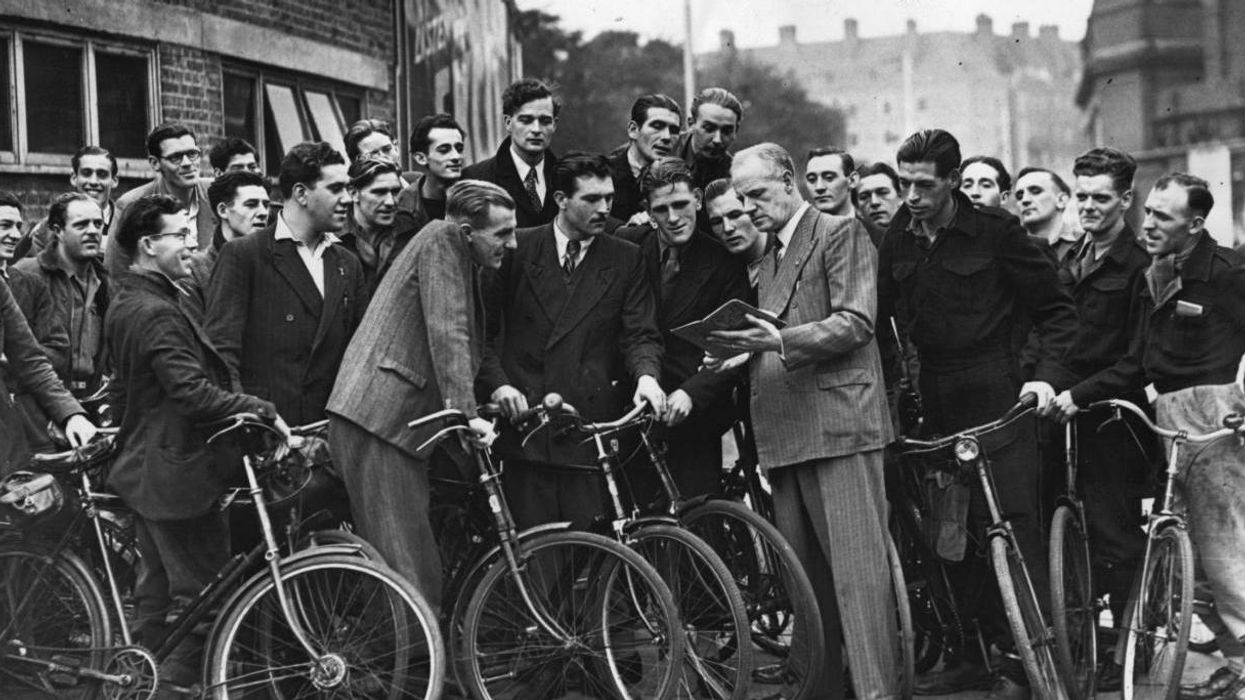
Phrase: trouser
pixel 1211 485
pixel 389 498
pixel 833 512
pixel 178 558
pixel 539 493
pixel 693 457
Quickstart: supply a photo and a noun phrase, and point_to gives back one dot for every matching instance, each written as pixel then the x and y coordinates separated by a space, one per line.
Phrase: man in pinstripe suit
pixel 819 412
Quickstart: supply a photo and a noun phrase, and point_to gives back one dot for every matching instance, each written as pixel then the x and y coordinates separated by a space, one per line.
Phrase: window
pixel 290 110
pixel 60 93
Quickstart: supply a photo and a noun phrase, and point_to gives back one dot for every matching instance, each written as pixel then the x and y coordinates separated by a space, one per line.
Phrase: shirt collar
pixel 522 167
pixel 919 228
pixel 788 229
pixel 635 165
pixel 561 239
pixel 284 232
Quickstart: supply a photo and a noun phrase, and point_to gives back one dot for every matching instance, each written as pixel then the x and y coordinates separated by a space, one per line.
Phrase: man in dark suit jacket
pixel 570 311
pixel 651 134
pixel 169 382
pixel 524 163
pixel 283 303
pixel 691 275
pixel 417 351
pixel 819 414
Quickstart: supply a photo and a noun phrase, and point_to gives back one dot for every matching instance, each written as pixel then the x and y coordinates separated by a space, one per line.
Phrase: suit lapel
pixel 334 293
pixel 290 266
pixel 544 274
pixel 590 281
pixel 776 289
pixel 694 273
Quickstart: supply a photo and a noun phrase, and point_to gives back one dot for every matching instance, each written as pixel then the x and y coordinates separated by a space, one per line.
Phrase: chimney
pixel 851 29
pixel 726 40
pixel 1048 32
pixel 985 25
pixel 786 35
pixel 912 26
pixel 1020 30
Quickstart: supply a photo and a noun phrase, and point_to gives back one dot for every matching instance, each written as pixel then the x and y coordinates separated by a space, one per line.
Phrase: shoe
pixel 773 674
pixel 955 679
pixel 1217 685
pixel 1110 677
pixel 1004 688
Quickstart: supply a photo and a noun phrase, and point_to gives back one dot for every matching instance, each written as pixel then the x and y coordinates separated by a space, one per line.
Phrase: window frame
pixel 21 156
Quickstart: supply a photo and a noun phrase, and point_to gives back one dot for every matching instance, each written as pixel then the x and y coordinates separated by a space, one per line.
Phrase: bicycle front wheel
pixel 1034 640
pixel 904 644
pixel 1074 609
pixel 51 610
pixel 582 616
pixel 1159 619
pixel 373 634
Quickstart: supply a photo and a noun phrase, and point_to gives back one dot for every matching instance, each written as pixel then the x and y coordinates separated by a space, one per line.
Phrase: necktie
pixel 777 253
pixel 529 184
pixel 669 265
pixel 571 258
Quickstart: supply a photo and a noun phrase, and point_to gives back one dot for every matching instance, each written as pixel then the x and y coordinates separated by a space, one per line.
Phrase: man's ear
pixel 633 130
pixel 221 208
pixel 466 230
pixel 559 197
pixel 955 178
pixel 154 162
pixel 420 158
pixel 700 198
pixel 1127 198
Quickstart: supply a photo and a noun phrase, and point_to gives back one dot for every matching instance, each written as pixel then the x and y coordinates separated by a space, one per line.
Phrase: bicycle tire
pixel 718 660
pixel 1033 639
pixel 1074 611
pixel 1153 655
pixel 936 625
pixel 378 636
pixel 777 591
pixel 53 610
pixel 599 592
pixel 904 651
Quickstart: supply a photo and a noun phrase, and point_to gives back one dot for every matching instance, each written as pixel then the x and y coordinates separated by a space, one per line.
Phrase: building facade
pixel 1010 96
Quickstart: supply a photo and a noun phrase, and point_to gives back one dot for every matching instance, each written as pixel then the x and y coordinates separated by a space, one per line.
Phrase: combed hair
pixel 1054 176
pixel 365 170
pixel 717 188
pixel 720 97
pixel 849 163
pixel 879 168
pixel 778 158
pixel 527 90
pixel 8 199
pixel 472 200
pixel 59 209
pixel 935 146
pixel 1201 201
pixel 1106 160
pixel 223 152
pixel 361 130
pixel 419 135
pixel 575 165
pixel 302 165
pixel 1003 178
pixel 167 130
pixel 142 218
pixel 665 172
pixel 640 108
pixel 76 159
pixel 225 188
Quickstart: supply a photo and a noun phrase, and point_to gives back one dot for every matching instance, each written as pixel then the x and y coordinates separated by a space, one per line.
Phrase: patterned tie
pixel 529 184
pixel 571 258
pixel 777 254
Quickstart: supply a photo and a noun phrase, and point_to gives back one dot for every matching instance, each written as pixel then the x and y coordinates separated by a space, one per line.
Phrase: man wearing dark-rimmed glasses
pixel 174 155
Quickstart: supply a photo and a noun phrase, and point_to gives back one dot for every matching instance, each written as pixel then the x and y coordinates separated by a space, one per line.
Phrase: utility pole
pixel 689 68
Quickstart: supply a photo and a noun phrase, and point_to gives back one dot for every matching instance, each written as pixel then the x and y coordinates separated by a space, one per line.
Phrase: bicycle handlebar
pixel 1027 403
pixel 1233 423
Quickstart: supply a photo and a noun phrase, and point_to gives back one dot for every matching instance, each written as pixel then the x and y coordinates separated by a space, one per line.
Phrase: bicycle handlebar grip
pixel 1233 421
pixel 1027 400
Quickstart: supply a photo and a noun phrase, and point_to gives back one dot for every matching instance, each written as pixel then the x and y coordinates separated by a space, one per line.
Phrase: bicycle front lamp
pixel 967 449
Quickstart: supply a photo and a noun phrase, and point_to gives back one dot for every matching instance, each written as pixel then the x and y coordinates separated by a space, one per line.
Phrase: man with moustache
pixel 283 303
pixel 524 163
pixel 691 276
pixel 174 155
pixel 417 351
pixel 369 233
pixel 239 198
pixel 734 229
pixel 877 193
pixel 831 177
pixel 986 181
pixel 570 311
pixel 95 175
pixel 1042 197
pixel 651 134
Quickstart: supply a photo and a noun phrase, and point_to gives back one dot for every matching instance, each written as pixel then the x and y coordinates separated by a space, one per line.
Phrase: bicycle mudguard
pixel 645 520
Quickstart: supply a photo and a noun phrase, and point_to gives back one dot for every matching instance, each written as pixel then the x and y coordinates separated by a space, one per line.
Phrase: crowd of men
pixel 373 296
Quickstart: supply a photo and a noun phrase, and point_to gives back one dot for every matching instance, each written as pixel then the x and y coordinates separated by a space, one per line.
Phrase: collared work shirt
pixel 312 257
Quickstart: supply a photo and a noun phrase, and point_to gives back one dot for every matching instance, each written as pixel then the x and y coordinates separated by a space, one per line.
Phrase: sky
pixel 756 22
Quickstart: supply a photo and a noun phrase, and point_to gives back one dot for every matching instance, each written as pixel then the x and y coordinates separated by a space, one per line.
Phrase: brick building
pixel 1010 96
pixel 275 72
pixel 1166 81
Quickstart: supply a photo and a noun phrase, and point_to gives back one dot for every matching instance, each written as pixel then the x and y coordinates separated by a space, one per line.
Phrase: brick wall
pixel 365 26
pixel 190 91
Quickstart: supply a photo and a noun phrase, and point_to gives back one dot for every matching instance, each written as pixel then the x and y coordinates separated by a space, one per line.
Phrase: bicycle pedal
pixel 192 691
pixel 64 679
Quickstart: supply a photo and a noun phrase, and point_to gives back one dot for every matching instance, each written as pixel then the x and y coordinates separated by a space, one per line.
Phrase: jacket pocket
pixel 1108 302
pixel 842 377
pixel 969 281
pixel 405 372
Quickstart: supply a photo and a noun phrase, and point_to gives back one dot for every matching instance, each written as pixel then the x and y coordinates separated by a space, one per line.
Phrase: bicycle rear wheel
pixel 375 636
pixel 904 651
pixel 1034 640
pixel 1074 609
pixel 1159 619
pixel 583 616
pixel 51 610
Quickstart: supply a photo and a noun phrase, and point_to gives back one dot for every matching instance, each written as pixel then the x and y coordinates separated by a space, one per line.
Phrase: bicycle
pixel 1158 618
pixel 1033 638
pixel 322 618
pixel 1074 607
pixel 553 611
pixel 715 618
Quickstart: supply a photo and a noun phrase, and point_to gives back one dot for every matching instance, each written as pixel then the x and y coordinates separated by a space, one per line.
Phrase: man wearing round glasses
pixel 174 155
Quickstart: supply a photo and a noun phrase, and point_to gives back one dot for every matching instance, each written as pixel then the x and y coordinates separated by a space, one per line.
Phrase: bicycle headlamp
pixel 967 449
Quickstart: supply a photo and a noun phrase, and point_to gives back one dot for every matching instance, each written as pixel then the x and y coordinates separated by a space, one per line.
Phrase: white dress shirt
pixel 561 239
pixel 788 229
pixel 522 167
pixel 312 257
